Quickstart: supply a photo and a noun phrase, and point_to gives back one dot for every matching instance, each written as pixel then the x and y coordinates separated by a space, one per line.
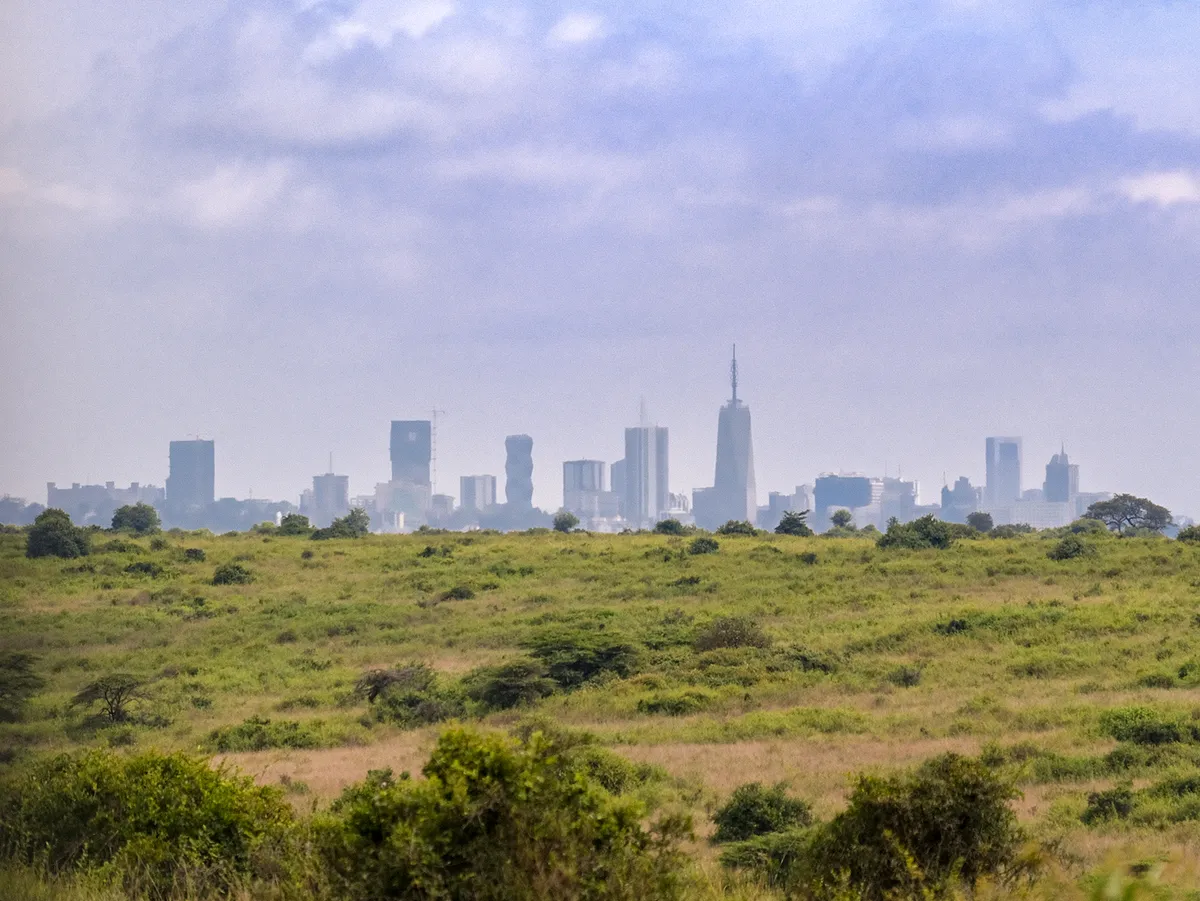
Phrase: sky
pixel 281 225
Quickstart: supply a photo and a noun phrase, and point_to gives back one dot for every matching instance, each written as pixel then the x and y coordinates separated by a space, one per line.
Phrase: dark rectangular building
pixel 192 482
pixel 412 450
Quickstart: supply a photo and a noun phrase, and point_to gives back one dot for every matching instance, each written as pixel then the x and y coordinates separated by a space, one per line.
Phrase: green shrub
pixel 1188 533
pixel 947 821
pixel 612 771
pixel 139 519
pixel 354 524
pixel 731 632
pixel 677 703
pixel 778 858
pixel 509 685
pixel 18 683
pixel 495 820
pixel 926 532
pixel 575 658
pixel 457 593
pixel 194 555
pixel 905 676
pixel 670 527
pixel 409 696
pixel 54 535
pixel 261 734
pixel 145 568
pixel 703 545
pixel 1071 547
pixel 294 524
pixel 565 521
pixel 1112 804
pixel 164 825
pixel 232 574
pixel 737 527
pixel 1143 726
pixel 794 522
pixel 755 809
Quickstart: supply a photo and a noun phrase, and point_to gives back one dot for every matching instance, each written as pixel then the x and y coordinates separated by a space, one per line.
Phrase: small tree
pixel 1189 533
pixel 670 527
pixel 54 535
pixel 232 574
pixel 18 683
pixel 794 522
pixel 842 519
pixel 294 524
pixel 1126 513
pixel 981 522
pixel 113 693
pixel 354 524
pixel 755 809
pixel 565 521
pixel 704 545
pixel 139 518
pixel 737 527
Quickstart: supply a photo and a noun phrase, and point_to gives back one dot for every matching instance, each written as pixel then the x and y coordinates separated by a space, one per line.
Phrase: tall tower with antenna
pixel 733 495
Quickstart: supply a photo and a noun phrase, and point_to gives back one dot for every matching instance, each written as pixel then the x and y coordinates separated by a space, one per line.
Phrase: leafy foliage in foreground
pixel 496 820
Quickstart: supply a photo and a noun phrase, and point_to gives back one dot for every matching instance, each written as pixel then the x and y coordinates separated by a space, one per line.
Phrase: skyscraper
pixel 477 492
pixel 411 451
pixel 646 472
pixel 733 495
pixel 331 498
pixel 1062 479
pixel 518 472
pixel 192 482
pixel 1003 485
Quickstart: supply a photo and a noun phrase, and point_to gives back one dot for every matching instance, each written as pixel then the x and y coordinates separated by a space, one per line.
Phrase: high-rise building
pixel 411 451
pixel 1062 479
pixel 1003 485
pixel 585 491
pixel 844 492
pixel 647 453
pixel 960 501
pixel 192 479
pixel 518 472
pixel 330 498
pixel 733 495
pixel 477 492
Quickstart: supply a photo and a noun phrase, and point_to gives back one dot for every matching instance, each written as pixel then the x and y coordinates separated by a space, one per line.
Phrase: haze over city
pixel 281 226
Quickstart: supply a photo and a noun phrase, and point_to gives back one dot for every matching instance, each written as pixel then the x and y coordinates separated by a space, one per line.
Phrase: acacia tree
pixel 114 694
pixel 1126 513
pixel 842 519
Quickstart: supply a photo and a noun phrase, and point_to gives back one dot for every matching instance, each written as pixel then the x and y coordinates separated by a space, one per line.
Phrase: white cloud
pixel 1162 188
pixel 531 165
pixel 378 22
pixel 233 194
pixel 576 28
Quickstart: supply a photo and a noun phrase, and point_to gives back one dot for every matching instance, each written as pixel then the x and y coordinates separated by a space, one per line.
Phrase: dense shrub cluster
pixel 260 734
pixel 54 535
pixel 926 532
pixel 159 824
pixel 18 683
pixel 1070 547
pixel 911 835
pixel 737 527
pixel 1146 726
pixel 703 545
pixel 731 632
pixel 232 574
pixel 755 809
pixel 577 657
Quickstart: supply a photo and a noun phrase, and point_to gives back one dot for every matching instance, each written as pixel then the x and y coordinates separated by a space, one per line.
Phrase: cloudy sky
pixel 282 224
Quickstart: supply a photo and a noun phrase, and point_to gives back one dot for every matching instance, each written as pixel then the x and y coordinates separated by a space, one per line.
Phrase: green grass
pixel 1008 647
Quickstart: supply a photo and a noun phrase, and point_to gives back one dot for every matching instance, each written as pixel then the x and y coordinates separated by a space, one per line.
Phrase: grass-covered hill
pixel 769 658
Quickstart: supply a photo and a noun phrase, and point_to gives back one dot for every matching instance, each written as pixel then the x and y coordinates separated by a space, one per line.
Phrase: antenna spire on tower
pixel 733 374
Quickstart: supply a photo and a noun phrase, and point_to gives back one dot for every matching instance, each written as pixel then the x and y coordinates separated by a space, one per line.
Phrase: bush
pixel 703 545
pixel 354 524
pixel 165 824
pixel 948 821
pixel 194 555
pixel 1143 726
pixel 1012 530
pixel 409 696
pixel 1189 533
pixel 145 568
pixel 140 519
pixel 926 532
pixel 294 524
pixel 731 632
pixel 495 820
pixel 261 734
pixel 1112 804
pixel 232 574
pixel 565 521
pixel 754 809
pixel 1070 547
pixel 573 659
pixel 981 522
pixel 54 535
pixel 18 683
pixel 737 527
pixel 778 858
pixel 457 593
pixel 670 527
pixel 905 676
pixel 677 703
pixel 794 522
pixel 509 685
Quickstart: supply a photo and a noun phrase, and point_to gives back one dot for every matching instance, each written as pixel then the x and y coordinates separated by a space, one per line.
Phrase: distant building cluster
pixel 631 493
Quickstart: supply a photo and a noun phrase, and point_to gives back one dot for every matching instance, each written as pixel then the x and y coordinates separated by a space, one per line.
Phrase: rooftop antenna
pixel 433 450
pixel 733 375
pixel 642 418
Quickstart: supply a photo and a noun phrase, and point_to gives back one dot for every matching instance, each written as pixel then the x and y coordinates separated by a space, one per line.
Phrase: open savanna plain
pixel 1069 677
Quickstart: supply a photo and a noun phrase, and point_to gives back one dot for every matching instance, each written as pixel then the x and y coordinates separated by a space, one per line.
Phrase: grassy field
pixel 872 660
